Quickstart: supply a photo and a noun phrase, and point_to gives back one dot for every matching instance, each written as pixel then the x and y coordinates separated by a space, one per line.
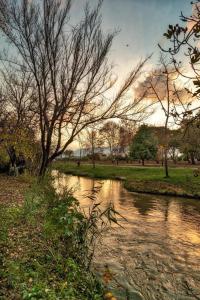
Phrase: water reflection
pixel 157 252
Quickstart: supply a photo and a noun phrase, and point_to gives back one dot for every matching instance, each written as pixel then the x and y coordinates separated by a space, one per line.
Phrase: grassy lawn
pixel 141 179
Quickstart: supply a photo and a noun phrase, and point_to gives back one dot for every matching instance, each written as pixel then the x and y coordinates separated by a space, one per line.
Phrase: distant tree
pixel 68 153
pixel 81 143
pixel 110 135
pixel 144 145
pixel 126 132
pixel 190 140
pixel 174 145
pixel 174 141
pixel 92 142
pixel 117 137
pixel 159 134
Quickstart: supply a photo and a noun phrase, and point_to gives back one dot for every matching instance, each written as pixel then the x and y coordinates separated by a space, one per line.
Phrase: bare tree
pixel 162 87
pixel 70 69
pixel 126 132
pixel 80 140
pixel 110 134
pixel 93 142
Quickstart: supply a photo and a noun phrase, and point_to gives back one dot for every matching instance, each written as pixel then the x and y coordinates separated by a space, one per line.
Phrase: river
pixel 156 252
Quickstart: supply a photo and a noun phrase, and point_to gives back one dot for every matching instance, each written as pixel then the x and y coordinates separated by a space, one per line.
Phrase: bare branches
pixel 70 68
pixel 184 46
pixel 162 86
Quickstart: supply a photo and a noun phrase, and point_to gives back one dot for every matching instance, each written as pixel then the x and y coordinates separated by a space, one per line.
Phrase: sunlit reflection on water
pixel 157 252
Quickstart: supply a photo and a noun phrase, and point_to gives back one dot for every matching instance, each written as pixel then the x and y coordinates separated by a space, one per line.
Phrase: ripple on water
pixel 157 252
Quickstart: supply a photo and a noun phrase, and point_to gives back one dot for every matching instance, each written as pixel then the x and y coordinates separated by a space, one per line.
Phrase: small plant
pixel 51 246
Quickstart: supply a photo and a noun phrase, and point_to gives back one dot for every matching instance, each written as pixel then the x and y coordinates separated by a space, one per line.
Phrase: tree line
pixel 128 142
pixel 182 144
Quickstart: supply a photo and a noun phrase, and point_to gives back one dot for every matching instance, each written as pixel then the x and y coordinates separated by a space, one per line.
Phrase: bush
pixel 50 255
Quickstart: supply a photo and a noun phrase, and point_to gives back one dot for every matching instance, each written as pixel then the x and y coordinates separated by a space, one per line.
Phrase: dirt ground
pixel 11 190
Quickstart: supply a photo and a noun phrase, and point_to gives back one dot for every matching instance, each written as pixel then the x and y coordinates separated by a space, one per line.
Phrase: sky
pixel 141 24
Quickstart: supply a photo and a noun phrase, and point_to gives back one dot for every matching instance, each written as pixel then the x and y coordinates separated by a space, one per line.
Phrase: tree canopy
pixel 144 144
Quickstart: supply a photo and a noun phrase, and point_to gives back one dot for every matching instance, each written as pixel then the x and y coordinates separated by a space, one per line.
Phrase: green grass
pixel 142 179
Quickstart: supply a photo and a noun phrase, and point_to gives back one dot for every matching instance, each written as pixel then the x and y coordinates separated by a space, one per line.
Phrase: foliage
pixel 117 136
pixel 144 144
pixel 17 117
pixel 190 142
pixel 68 153
pixel 183 49
pixel 174 144
pixel 174 141
pixel 19 138
pixel 54 227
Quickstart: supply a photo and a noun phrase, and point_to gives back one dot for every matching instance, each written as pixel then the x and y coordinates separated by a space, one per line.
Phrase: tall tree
pixel 162 87
pixel 70 68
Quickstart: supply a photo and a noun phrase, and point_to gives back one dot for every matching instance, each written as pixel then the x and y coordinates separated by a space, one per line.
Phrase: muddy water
pixel 156 254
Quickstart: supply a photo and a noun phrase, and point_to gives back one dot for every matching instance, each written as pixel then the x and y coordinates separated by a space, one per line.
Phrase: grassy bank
pixel 141 179
pixel 44 253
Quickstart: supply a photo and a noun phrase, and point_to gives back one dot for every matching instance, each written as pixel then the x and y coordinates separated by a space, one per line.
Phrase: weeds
pixel 50 245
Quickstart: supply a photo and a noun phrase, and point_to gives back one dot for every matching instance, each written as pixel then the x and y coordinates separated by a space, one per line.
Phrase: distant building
pixel 104 151
pixel 85 152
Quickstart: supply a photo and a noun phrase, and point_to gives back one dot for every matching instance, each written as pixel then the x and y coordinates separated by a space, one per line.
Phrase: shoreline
pixel 141 186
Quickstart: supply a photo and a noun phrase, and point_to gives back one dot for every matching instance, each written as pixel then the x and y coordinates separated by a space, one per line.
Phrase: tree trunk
pixel 44 165
pixel 192 158
pixel 143 162
pixel 93 162
pixel 166 164
pixel 93 158
pixel 13 161
pixel 188 159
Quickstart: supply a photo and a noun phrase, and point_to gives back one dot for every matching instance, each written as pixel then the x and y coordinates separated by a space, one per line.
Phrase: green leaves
pixel 144 145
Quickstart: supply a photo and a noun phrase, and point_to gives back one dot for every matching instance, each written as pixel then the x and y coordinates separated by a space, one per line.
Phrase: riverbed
pixel 155 253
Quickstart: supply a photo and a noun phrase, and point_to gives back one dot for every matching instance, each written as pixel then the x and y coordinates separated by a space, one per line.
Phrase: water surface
pixel 157 252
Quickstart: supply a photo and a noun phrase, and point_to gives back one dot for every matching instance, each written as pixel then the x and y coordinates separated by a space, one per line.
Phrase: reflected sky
pixel 161 232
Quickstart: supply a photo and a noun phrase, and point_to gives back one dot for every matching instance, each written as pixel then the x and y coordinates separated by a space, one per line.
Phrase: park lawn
pixel 140 179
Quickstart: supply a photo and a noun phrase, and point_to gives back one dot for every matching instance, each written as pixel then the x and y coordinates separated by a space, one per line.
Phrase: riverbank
pixel 43 254
pixel 181 182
